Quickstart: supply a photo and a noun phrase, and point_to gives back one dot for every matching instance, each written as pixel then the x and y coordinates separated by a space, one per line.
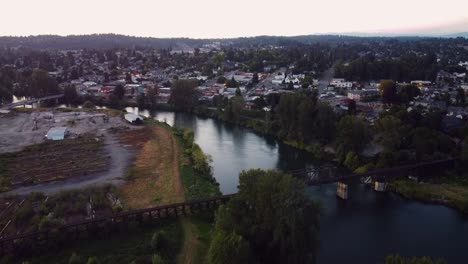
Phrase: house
pixel 451 123
pixel 421 83
pixel 362 95
pixel 56 133
pixel 341 83
pixel 164 94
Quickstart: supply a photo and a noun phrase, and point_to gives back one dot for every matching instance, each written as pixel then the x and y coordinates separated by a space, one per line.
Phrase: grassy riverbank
pixel 445 191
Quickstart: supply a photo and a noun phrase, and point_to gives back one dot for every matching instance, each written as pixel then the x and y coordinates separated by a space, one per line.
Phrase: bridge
pixel 313 176
pixel 31 101
pixel 329 174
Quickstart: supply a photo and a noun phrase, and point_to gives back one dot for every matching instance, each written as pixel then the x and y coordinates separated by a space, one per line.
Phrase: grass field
pixel 155 175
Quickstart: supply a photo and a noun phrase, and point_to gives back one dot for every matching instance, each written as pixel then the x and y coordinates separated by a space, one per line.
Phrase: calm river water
pixel 363 229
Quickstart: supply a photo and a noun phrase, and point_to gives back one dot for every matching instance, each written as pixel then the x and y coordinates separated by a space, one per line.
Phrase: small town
pixel 292 142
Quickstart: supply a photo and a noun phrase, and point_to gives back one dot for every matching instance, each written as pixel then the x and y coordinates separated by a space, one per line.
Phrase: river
pixel 363 229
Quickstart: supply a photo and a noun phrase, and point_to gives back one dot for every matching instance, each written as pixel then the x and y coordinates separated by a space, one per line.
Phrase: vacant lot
pixel 54 160
pixel 18 130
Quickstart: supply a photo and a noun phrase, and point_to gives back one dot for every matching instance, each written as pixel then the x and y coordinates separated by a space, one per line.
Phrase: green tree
pixel 183 94
pixel 232 83
pixel 159 240
pixel 141 101
pixel 460 99
pixel 221 80
pixel 75 259
pixel 389 91
pixel 119 91
pixel 88 105
pixel 409 92
pixel 273 214
pixel 70 95
pixel 151 98
pixel 464 151
pixel 351 107
pixel 156 259
pixel 6 95
pixel 128 78
pixel 325 123
pixel 42 84
pixel 352 160
pixel 397 259
pixel 93 260
pixel 234 109
pixel 238 92
pixel 391 131
pixel 228 248
pixel 255 78
pixel 353 134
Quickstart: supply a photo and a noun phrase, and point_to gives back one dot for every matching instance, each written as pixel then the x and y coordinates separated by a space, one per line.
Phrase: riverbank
pixel 260 126
pixel 452 194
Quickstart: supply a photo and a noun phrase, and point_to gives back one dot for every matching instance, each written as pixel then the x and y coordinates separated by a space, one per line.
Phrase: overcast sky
pixel 223 18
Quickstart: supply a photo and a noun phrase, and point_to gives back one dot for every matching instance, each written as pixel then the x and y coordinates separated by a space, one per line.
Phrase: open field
pixel 154 179
pixel 90 155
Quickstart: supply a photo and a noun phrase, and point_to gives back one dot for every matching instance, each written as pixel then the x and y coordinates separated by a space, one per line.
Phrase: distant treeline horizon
pixel 111 40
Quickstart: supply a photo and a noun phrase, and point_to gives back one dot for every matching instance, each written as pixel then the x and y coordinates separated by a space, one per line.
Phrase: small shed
pixel 56 133
pixel 133 119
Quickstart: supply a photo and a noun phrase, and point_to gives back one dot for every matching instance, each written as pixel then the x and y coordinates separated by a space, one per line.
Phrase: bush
pixel 156 259
pixel 93 260
pixel 89 105
pixel 159 240
pixel 75 259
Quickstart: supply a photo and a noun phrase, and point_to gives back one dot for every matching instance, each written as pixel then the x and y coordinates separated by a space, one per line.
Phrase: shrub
pixel 159 240
pixel 75 259
pixel 156 259
pixel 93 260
pixel 88 105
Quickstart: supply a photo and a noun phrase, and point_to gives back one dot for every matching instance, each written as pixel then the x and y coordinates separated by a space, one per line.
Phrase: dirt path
pixel 191 243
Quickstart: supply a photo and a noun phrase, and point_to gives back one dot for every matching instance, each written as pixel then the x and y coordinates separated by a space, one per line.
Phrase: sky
pixel 233 18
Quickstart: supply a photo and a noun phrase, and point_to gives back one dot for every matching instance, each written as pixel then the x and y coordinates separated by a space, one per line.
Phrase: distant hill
pixel 457 35
pixel 97 41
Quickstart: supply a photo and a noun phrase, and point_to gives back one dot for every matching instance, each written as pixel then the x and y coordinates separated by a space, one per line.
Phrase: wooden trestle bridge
pixel 25 242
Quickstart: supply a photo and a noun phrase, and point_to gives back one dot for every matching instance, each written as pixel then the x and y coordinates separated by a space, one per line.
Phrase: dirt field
pixel 18 130
pixel 91 155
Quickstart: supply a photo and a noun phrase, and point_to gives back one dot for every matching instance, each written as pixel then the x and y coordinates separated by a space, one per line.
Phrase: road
pixel 121 157
pixel 326 79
